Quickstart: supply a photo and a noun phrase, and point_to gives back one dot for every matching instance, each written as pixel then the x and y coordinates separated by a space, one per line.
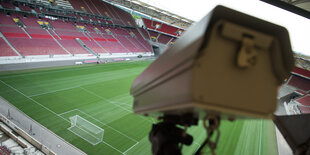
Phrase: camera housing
pixel 229 63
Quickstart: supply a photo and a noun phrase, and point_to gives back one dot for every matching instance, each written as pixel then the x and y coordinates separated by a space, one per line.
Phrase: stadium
pixel 67 68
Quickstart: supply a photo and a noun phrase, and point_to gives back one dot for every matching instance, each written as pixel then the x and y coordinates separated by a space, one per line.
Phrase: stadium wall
pixel 46 64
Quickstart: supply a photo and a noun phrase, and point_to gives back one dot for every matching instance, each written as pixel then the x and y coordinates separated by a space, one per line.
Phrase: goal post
pixel 86 130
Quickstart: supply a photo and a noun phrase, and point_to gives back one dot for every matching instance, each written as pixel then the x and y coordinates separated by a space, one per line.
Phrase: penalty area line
pixel 68 112
pixel 49 110
pixel 130 148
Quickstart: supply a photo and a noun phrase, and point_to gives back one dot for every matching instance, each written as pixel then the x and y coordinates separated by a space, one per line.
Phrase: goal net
pixel 86 130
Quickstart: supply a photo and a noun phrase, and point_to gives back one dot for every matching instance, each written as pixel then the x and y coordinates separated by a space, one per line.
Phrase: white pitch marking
pixel 50 110
pixel 104 99
pixel 67 112
pixel 29 98
pixel 197 147
pixel 55 71
pixel 260 137
pixel 108 126
pixel 130 148
pixel 53 91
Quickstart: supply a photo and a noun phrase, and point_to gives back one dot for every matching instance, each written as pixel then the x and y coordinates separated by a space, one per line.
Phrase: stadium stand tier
pixel 59 36
pixel 300 79
pixel 301 72
pixel 5 49
pixel 305 100
pixel 304 110
pixel 162 27
pixel 4 150
pixel 297 98
pixel 164 39
pixel 145 33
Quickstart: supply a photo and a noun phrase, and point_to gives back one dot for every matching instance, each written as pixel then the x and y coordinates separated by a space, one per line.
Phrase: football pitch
pixel 100 94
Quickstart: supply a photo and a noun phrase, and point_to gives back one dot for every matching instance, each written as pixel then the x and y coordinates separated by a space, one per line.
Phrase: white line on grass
pixel 45 72
pixel 120 103
pixel 53 91
pixel 105 99
pixel 260 137
pixel 70 129
pixel 113 103
pixel 61 70
pixel 107 126
pixel 48 109
pixel 130 148
pixel 241 138
pixel 67 112
pixel 111 146
pixel 96 78
pixel 59 115
pixel 120 96
pixel 197 147
pixel 126 96
pixel 29 98
pixel 90 142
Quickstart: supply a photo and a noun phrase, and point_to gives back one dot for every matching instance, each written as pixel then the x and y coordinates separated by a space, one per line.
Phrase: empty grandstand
pixel 294 94
pixel 31 30
pixel 38 107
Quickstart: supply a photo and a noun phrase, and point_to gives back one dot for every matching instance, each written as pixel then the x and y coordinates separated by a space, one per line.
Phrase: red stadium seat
pixel 5 49
pixel 299 83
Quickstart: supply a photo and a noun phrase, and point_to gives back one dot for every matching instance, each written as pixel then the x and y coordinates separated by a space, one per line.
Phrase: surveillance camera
pixel 229 63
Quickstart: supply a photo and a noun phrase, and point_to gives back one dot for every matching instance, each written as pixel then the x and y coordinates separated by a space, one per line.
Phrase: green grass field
pixel 100 94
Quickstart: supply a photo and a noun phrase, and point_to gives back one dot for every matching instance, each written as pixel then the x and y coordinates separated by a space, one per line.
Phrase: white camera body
pixel 229 63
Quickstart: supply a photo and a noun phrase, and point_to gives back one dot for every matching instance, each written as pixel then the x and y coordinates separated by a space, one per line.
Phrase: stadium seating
pixel 61 25
pixel 38 33
pixel 162 27
pixel 153 34
pixel 90 28
pixel 94 46
pixel 301 72
pixel 36 46
pixel 304 110
pixel 113 46
pixel 73 46
pixel 24 8
pixel 126 43
pixel 6 49
pixel 4 150
pixel 300 92
pixel 79 4
pixel 141 41
pixel 37 10
pixel 69 42
pixel 144 33
pixel 305 100
pixel 122 40
pixel 97 37
pixel 13 31
pixel 299 83
pixel 6 20
pixel 117 22
pixel 71 35
pixel 119 31
pixel 7 5
pixel 164 39
pixel 30 21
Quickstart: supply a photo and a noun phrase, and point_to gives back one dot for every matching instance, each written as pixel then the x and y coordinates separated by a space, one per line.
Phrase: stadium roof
pixel 184 13
pixel 154 12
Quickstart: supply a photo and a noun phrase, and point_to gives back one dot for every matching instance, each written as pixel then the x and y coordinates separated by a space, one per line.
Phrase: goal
pixel 86 130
